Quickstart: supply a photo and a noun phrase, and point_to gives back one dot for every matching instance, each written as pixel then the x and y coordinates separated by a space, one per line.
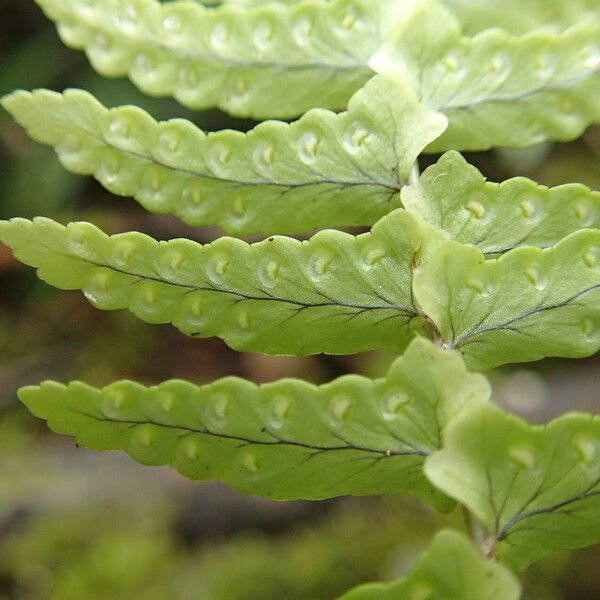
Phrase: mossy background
pixel 75 525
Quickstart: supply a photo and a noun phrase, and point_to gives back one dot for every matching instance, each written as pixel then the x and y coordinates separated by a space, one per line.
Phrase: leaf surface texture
pixel 497 89
pixel 323 170
pixel 451 569
pixel 535 488
pixel 454 196
pixel 525 305
pixel 334 293
pixel 522 17
pixel 286 439
pixel 266 61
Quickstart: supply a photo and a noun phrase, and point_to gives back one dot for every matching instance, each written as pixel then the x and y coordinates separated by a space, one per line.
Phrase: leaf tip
pixel 12 100
pixel 39 399
pixel 29 394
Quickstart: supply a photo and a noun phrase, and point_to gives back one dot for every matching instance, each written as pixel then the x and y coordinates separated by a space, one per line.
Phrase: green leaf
pixel 511 15
pixel 335 293
pixel 323 170
pixel 526 305
pixel 286 439
pixel 535 488
pixel 451 569
pixel 456 197
pixel 262 2
pixel 495 88
pixel 267 61
pixel 521 17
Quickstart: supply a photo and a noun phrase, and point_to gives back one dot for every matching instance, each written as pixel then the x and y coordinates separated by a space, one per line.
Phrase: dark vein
pixel 534 311
pixel 588 74
pixel 519 244
pixel 506 530
pixel 540 489
pixel 238 294
pixel 246 441
pixel 318 181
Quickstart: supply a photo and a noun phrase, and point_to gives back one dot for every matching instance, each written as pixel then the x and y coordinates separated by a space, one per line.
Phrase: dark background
pixel 75 525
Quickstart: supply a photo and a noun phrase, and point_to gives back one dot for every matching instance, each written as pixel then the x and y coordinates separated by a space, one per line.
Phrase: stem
pixel 415 174
pixel 473 526
pixel 437 339
pixel 414 178
pixel 433 331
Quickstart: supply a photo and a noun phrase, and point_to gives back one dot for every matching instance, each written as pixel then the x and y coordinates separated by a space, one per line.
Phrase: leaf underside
pixel 497 89
pixel 337 293
pixel 454 196
pixel 512 15
pixel 522 17
pixel 284 440
pixel 536 489
pixel 261 2
pixel 229 57
pixel 525 305
pixel 451 569
pixel 321 171
pixel 334 293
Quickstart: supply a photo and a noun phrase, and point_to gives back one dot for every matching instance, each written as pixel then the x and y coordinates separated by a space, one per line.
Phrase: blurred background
pixel 75 525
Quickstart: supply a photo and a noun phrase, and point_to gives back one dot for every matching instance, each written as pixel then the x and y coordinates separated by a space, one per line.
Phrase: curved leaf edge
pixel 352 417
pixel 578 436
pixel 452 568
pixel 265 181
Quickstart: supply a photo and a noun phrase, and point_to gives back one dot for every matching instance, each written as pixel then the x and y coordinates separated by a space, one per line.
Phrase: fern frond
pixel 323 170
pixel 497 218
pixel 522 17
pixel 536 489
pixel 512 15
pixel 284 440
pixel 267 61
pixel 335 293
pixel 525 305
pixel 451 569
pixel 497 89
pixel 261 2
